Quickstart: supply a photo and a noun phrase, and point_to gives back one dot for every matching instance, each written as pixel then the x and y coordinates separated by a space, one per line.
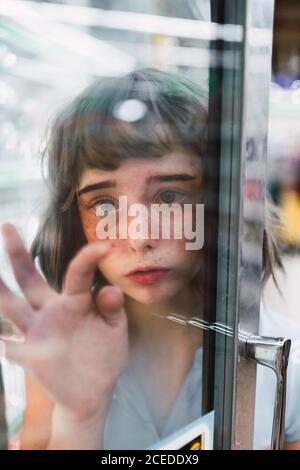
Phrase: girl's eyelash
pixel 112 201
pixel 171 190
pixel 101 199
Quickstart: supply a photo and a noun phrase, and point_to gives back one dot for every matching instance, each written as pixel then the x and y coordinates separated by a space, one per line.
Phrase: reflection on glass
pixel 159 391
pixel 138 130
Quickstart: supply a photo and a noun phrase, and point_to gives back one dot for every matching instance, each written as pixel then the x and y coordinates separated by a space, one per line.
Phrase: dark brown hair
pixel 272 259
pixel 87 133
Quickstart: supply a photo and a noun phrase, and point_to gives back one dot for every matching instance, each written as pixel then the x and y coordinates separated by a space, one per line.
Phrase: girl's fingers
pixel 80 272
pixel 110 302
pixel 14 309
pixel 35 288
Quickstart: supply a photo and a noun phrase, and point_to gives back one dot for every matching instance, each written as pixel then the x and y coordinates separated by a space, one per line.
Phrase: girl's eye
pixel 170 197
pixel 104 206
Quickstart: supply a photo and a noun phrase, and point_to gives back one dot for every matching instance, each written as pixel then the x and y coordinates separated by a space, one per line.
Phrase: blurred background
pixel 283 172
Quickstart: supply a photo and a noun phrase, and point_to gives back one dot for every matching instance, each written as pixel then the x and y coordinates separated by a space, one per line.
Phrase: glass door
pixel 169 100
pixel 244 81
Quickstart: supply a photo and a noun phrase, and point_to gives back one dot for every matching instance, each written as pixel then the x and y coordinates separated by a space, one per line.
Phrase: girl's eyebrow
pixel 174 177
pixel 93 187
pixel 150 179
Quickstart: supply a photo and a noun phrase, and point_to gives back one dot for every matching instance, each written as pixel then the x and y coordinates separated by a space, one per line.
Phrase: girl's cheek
pixel 89 224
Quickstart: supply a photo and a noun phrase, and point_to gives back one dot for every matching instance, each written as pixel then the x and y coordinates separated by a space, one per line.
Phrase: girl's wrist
pixel 71 431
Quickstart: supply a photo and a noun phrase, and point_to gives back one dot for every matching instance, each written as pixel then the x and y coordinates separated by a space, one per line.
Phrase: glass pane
pixel 144 105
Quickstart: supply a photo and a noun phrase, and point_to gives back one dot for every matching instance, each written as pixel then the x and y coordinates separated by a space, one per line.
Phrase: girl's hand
pixel 76 349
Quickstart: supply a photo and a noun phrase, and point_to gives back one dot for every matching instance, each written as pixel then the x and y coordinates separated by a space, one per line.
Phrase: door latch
pixel 272 353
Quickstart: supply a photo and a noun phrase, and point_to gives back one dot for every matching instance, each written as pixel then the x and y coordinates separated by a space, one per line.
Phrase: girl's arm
pixel 36 430
pixel 71 433
pixel 74 346
pixel 47 427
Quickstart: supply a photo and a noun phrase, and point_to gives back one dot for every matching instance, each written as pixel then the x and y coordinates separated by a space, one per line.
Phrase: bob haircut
pixel 90 132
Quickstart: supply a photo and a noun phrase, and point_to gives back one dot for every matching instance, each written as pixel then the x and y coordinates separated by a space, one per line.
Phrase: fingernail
pixel 5 227
pixel 5 232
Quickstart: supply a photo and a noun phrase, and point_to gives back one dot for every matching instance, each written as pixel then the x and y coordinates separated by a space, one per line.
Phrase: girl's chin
pixel 150 297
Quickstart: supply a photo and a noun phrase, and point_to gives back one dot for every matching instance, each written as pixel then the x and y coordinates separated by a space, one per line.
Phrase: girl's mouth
pixel 148 277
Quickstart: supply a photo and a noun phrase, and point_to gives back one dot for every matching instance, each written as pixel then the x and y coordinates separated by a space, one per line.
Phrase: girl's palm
pixel 74 347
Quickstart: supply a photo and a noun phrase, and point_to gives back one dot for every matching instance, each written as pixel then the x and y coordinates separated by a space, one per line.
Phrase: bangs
pixel 146 114
pixel 107 140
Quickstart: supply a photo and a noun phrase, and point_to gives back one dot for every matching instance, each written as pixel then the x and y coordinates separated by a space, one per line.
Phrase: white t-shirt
pixel 129 424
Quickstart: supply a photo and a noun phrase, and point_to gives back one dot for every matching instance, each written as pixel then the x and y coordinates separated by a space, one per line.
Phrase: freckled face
pixel 173 178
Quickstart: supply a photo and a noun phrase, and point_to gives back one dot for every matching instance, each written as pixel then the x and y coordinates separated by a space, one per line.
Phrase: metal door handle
pixel 272 353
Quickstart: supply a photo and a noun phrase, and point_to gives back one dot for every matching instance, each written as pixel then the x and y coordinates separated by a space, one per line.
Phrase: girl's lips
pixel 149 276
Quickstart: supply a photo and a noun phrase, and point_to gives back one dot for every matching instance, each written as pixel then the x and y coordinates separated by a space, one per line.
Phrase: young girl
pixel 116 372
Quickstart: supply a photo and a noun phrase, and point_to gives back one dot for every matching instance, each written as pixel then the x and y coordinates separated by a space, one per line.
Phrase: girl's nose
pixel 141 245
pixel 139 232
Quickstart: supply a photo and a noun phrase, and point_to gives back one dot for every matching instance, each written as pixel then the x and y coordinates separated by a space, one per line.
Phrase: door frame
pixel 242 124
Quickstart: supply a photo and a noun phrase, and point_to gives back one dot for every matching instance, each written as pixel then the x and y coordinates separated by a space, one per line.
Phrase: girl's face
pixel 173 178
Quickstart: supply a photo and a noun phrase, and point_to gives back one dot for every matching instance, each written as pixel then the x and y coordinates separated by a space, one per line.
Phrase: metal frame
pixel 243 123
pixel 256 86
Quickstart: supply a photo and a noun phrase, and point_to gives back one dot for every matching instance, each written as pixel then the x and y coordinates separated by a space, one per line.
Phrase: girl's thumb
pixel 110 302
